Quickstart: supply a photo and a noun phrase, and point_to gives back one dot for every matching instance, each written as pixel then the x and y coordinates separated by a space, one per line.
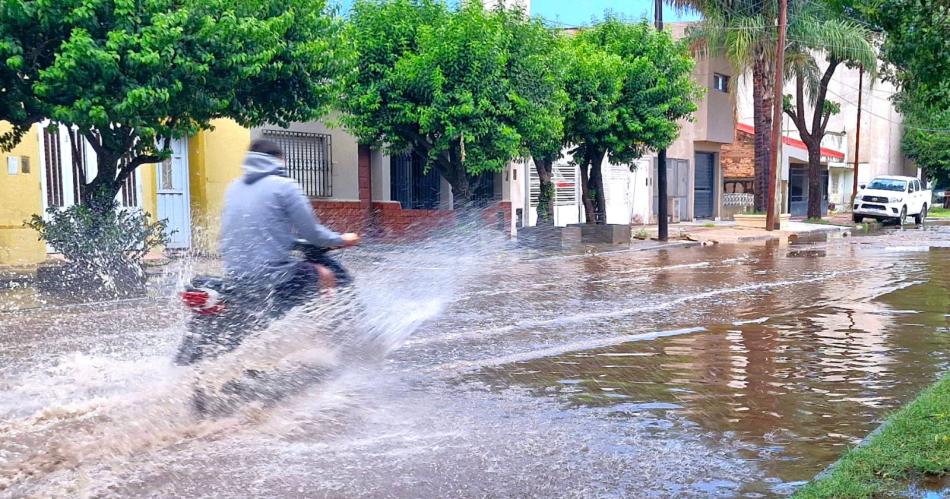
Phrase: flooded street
pixel 731 370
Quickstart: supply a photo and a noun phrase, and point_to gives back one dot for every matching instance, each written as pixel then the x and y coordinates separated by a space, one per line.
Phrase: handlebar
pixel 311 252
pixel 318 255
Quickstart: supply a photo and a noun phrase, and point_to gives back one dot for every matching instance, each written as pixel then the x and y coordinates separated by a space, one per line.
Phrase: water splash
pixel 94 404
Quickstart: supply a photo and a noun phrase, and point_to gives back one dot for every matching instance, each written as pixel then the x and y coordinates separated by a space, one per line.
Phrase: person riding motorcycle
pixel 265 213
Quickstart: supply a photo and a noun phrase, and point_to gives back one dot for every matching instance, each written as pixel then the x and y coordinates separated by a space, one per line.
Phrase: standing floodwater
pixel 708 371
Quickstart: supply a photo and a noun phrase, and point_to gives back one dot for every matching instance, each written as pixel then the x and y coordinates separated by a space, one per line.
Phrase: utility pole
pixel 857 140
pixel 772 217
pixel 662 204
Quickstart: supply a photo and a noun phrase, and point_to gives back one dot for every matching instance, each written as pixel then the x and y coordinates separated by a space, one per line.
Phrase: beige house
pixel 694 159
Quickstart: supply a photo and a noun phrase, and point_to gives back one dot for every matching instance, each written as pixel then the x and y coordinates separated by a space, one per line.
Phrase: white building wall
pixel 881 124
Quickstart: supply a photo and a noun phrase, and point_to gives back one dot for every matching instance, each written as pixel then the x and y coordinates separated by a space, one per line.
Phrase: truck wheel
pixel 920 217
pixel 857 218
pixel 902 218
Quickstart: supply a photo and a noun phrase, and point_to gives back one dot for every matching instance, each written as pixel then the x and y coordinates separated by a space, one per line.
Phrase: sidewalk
pixel 725 232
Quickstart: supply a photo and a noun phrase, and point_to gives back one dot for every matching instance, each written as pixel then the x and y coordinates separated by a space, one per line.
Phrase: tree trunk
pixel 597 187
pixel 461 191
pixel 814 181
pixel 546 192
pixel 586 194
pixel 762 90
pixel 99 194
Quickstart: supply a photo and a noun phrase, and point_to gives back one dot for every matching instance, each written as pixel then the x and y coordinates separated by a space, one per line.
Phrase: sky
pixel 581 12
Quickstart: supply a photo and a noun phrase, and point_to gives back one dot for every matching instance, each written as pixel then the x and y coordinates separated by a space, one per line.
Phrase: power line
pixel 902 123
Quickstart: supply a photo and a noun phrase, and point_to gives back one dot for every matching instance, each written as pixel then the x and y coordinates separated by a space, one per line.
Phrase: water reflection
pixel 797 373
pixel 687 372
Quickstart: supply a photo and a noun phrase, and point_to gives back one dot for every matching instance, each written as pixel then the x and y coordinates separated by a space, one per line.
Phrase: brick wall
pixel 389 220
pixel 738 159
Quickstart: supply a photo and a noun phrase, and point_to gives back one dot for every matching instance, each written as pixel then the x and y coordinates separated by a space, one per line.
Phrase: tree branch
pixel 824 124
pixel 820 98
pixel 136 162
pixel 799 117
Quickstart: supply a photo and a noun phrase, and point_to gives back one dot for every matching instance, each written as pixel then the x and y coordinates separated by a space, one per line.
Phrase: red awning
pixel 831 153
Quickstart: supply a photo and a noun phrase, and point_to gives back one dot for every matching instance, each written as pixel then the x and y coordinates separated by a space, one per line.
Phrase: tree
pixel 914 48
pixel 128 76
pixel 839 41
pixel 744 31
pixel 539 75
pixel 927 139
pixel 471 89
pixel 627 85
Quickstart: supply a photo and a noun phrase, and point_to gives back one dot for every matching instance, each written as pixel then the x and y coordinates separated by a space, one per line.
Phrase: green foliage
pixel 927 139
pixel 938 212
pixel 106 248
pixel 628 87
pixel 915 47
pixel 128 74
pixel 914 442
pixel 468 87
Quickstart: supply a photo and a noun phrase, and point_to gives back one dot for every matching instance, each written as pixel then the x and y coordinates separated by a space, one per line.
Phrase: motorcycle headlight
pixel 896 200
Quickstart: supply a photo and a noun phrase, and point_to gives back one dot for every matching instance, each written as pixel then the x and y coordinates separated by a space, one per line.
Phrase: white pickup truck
pixel 892 198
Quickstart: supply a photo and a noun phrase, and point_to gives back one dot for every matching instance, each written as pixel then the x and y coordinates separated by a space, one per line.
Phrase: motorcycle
pixel 223 316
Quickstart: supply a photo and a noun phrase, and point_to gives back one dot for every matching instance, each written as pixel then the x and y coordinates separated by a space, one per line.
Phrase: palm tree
pixel 839 41
pixel 744 31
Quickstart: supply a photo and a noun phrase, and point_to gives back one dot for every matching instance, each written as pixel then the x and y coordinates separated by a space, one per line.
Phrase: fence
pixel 736 202
pixel 309 159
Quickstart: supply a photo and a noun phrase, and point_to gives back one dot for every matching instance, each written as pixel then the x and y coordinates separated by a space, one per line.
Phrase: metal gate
pixel 566 194
pixel 173 197
pixel 411 185
pixel 703 187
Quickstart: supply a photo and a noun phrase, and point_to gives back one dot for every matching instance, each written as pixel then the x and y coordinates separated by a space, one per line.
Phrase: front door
pixel 173 199
pixel 703 193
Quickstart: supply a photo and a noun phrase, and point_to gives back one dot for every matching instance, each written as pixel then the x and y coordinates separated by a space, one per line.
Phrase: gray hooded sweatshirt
pixel 264 213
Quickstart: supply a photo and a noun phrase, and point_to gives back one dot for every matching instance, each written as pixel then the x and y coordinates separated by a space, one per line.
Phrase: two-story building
pixel 879 152
pixel 694 171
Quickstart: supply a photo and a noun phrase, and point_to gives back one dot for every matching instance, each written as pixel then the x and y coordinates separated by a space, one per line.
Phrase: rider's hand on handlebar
pixel 350 239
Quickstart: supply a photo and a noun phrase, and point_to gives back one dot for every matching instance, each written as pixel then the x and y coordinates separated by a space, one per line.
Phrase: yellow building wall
pixel 20 197
pixel 214 161
pixel 148 182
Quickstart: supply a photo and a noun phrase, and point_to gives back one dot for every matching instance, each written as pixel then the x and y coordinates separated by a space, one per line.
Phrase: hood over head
pixel 259 165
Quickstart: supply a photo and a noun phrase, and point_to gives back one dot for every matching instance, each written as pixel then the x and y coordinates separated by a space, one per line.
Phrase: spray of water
pixel 94 405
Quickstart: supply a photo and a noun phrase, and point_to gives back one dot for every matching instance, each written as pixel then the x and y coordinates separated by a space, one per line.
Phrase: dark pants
pixel 302 286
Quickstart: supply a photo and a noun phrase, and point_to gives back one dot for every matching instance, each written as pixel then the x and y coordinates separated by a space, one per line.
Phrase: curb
pixel 653 247
pixel 863 443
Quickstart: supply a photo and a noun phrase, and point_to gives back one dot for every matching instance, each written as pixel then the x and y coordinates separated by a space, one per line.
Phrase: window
pixel 720 82
pixel 917 185
pixel 887 184
pixel 411 184
pixel 309 158
pixel 54 167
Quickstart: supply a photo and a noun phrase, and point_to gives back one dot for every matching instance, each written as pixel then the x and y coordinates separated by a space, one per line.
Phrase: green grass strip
pixel 915 441
pixel 939 212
